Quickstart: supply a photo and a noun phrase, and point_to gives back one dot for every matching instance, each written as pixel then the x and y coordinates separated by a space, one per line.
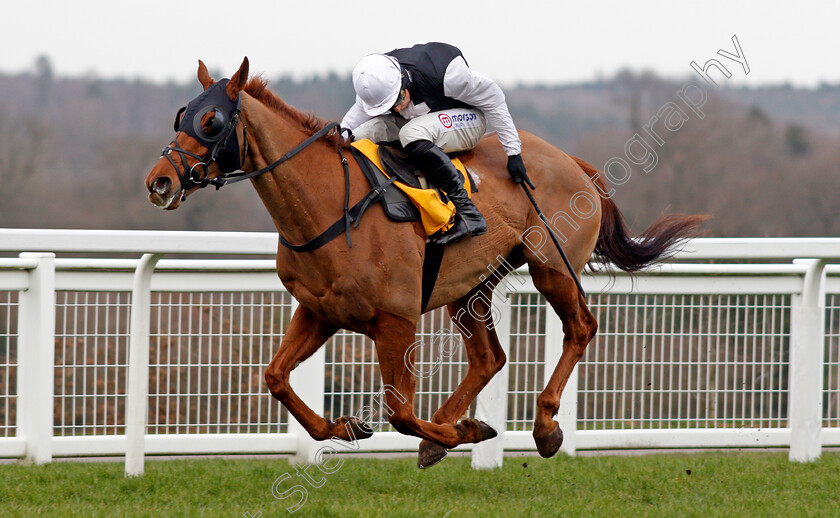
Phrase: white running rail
pixel 735 344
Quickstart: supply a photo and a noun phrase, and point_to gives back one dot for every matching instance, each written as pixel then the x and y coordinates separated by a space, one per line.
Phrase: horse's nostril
pixel 162 185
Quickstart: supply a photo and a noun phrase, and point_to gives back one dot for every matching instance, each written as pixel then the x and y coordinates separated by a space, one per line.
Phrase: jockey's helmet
pixel 377 80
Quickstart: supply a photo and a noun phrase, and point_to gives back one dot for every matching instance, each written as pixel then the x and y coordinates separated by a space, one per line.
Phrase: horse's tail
pixel 655 243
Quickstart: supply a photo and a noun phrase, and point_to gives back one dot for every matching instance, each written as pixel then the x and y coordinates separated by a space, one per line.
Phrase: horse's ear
pixel 204 76
pixel 238 80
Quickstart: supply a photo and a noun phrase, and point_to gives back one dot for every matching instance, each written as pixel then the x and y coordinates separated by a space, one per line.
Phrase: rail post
pixel 36 359
pixel 138 366
pixel 492 401
pixel 807 354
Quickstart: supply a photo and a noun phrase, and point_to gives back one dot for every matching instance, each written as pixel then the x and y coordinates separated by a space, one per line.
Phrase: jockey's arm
pixel 477 90
pixel 354 117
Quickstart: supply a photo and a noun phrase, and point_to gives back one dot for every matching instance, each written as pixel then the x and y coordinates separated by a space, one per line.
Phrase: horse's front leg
pixel 306 333
pixel 485 356
pixel 393 337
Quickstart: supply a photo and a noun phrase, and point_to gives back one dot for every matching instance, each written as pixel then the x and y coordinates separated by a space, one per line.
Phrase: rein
pixel 238 176
pixel 352 215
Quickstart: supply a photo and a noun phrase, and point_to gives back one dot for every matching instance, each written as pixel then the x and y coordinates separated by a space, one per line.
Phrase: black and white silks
pixel 441 79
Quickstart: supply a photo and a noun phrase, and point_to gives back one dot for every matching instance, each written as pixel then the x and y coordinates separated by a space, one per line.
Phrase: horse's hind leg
pixel 579 327
pixel 485 357
pixel 394 337
pixel 306 333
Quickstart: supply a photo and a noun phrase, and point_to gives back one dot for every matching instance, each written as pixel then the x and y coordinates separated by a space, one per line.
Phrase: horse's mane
pixel 257 87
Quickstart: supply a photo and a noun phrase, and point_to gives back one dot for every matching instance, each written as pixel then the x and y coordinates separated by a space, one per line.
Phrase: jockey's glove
pixel 516 169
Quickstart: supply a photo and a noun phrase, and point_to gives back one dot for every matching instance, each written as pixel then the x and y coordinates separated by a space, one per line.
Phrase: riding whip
pixel 553 237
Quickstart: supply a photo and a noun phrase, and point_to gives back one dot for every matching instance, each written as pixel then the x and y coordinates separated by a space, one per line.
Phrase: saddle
pixel 413 199
pixel 395 162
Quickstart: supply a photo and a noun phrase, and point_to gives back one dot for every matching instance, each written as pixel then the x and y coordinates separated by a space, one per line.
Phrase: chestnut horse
pixel 374 287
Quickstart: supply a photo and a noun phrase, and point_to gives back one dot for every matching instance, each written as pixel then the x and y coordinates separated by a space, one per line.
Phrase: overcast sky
pixel 512 41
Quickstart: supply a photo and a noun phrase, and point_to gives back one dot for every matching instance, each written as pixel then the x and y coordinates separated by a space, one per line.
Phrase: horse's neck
pixel 302 194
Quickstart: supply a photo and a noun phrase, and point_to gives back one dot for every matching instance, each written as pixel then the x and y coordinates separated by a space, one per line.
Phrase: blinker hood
pixel 220 137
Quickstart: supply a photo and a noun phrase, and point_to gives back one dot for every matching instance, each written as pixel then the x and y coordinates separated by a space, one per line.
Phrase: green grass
pixel 712 484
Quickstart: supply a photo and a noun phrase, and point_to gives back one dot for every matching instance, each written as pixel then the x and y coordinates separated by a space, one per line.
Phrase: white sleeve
pixel 355 117
pixel 461 83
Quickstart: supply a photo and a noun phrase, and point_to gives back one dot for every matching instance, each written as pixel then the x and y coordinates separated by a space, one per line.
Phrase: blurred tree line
pixel 762 162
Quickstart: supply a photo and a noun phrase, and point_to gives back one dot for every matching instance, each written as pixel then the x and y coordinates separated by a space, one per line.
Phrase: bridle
pixel 223 150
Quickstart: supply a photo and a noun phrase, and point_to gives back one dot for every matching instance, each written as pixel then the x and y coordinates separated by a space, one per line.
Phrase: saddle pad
pixel 435 214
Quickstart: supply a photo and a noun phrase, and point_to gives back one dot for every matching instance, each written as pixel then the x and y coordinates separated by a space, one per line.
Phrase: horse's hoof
pixel 487 431
pixel 548 445
pixel 356 428
pixel 473 430
pixel 430 453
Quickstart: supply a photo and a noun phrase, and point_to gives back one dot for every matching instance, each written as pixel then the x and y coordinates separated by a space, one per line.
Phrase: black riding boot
pixel 443 174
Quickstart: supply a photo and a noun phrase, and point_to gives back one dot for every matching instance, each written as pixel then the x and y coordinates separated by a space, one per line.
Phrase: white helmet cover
pixel 377 80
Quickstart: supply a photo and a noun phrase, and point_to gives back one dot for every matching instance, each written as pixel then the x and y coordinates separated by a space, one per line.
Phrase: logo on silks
pixel 459 121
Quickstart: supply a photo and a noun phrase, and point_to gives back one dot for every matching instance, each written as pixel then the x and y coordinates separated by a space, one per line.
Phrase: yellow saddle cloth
pixel 434 213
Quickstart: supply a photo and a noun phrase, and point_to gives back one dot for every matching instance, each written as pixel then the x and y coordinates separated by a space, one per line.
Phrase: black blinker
pixel 218 123
pixel 178 117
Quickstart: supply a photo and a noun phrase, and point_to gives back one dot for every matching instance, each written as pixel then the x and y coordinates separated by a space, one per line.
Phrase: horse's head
pixel 207 143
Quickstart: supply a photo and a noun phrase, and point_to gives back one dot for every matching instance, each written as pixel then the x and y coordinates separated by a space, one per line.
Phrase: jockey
pixel 429 99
